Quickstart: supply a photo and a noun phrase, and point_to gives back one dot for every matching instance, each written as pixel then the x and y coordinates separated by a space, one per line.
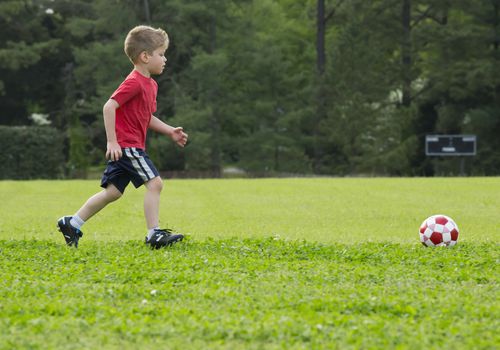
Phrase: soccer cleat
pixel 162 238
pixel 70 234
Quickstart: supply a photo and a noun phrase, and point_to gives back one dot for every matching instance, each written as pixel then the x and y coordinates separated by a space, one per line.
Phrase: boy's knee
pixel 155 185
pixel 112 193
pixel 116 195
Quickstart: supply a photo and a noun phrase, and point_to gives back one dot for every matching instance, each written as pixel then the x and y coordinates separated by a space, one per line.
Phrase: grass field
pixel 268 264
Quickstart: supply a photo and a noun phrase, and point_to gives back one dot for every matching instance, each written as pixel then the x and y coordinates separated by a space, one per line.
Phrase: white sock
pixel 151 231
pixel 76 222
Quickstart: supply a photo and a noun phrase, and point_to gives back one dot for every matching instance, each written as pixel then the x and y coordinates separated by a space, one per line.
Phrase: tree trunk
pixel 320 95
pixel 496 40
pixel 406 53
pixel 320 38
pixel 496 24
pixel 215 125
pixel 147 12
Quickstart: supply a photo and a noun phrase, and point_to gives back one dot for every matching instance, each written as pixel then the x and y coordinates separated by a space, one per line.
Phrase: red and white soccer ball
pixel 439 230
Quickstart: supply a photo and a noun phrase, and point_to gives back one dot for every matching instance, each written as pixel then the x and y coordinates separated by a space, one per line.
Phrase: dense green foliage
pixel 245 81
pixel 248 294
pixel 29 152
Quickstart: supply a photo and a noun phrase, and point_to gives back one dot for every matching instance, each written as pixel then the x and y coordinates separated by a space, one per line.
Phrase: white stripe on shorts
pixel 136 165
pixel 145 165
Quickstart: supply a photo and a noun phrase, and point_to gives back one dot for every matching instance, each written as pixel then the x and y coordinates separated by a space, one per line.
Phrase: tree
pixel 462 81
pixel 321 89
pixel 324 86
pixel 31 52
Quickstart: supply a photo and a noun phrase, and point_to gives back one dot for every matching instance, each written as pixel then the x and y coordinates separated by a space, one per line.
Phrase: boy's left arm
pixel 177 134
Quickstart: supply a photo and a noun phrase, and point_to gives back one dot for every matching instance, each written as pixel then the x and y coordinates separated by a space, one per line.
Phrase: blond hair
pixel 144 38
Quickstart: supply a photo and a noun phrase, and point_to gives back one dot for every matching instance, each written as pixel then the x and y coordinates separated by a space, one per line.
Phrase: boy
pixel 128 114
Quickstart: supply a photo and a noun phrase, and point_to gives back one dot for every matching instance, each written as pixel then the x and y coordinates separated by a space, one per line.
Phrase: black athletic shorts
pixel 134 165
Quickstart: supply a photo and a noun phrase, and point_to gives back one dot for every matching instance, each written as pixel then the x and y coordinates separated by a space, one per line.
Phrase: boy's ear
pixel 144 57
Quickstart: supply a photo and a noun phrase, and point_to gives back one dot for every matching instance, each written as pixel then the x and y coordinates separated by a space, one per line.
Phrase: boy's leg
pixel 94 204
pixel 152 202
pixel 98 201
pixel 156 237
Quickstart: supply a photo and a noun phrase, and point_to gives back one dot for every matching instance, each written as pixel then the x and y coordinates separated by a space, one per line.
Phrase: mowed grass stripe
pixel 345 210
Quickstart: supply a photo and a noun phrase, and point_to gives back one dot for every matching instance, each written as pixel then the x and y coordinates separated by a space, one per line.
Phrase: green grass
pixel 268 264
pixel 322 210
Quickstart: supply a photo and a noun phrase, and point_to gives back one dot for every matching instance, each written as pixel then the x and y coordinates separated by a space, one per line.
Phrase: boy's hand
pixel 114 151
pixel 179 136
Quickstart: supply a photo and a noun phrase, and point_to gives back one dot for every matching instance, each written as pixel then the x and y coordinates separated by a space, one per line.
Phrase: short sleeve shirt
pixel 136 97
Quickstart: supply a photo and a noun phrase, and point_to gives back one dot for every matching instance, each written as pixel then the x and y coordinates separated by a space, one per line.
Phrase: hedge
pixel 31 152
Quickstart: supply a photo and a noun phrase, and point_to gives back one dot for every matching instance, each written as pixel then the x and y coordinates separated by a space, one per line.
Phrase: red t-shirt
pixel 136 96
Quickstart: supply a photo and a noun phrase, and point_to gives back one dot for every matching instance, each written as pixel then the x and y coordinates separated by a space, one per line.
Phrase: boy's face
pixel 156 61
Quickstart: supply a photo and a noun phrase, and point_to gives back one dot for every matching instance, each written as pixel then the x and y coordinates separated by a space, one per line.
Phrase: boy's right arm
pixel 113 151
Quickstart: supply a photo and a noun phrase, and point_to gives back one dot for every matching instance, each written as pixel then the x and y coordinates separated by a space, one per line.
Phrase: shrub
pixel 31 152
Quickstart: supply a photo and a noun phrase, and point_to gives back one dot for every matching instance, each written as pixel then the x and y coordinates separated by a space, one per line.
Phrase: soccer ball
pixel 439 230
